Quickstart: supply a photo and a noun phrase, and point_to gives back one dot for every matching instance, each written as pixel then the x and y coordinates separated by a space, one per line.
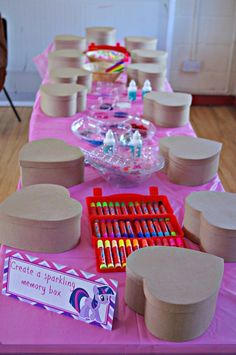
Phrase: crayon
pixel 129 229
pixel 105 208
pixel 108 254
pixel 122 253
pixel 101 255
pixel 99 208
pixel 132 208
pixel 115 253
pixel 156 209
pixel 145 228
pixel 93 209
pixel 117 208
pixel 180 242
pixel 103 229
pixel 123 208
pixel 151 228
pixel 123 229
pixel 110 229
pixel 172 242
pixel 165 242
pixel 150 208
pixel 144 208
pixel 164 227
pixel 111 208
pixel 144 243
pixel 128 247
pixel 158 227
pixel 97 229
pixel 158 241
pixel 161 207
pixel 151 242
pixel 116 229
pixel 170 227
pixel 138 229
pixel 138 208
pixel 135 244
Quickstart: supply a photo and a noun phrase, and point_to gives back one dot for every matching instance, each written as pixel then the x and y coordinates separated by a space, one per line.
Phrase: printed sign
pixel 57 288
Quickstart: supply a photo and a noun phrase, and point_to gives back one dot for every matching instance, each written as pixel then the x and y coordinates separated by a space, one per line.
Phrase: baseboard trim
pixel 216 100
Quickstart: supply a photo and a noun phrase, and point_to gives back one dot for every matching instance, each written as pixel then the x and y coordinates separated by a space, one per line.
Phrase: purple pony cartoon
pixel 90 309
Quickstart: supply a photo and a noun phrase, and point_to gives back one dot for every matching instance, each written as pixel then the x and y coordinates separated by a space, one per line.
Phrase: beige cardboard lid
pixel 170 99
pixel 68 38
pixel 66 53
pixel 100 29
pixel 151 68
pixel 149 53
pixel 49 153
pixel 69 72
pixel 46 204
pixel 140 39
pixel 62 91
pixel 217 208
pixel 185 147
pixel 176 276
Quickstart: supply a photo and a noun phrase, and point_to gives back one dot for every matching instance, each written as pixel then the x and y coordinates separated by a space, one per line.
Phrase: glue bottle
pixel 136 145
pixel 109 143
pixel 146 88
pixel 132 91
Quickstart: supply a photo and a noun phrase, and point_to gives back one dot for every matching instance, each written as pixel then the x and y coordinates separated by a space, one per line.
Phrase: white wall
pixel 205 30
pixel 34 23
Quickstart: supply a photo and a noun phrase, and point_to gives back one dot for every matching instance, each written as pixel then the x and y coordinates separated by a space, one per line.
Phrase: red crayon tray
pixel 168 215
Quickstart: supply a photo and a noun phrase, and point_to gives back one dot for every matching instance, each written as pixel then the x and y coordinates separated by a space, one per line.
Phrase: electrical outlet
pixel 191 66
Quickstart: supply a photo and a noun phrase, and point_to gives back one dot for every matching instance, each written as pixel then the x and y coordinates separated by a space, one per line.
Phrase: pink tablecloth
pixel 24 324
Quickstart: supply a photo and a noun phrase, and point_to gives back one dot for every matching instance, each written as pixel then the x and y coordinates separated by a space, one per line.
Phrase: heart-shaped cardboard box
pixel 62 100
pixel 140 72
pixel 72 76
pixel 70 42
pixel 101 35
pixel 140 42
pixel 167 109
pixel 51 161
pixel 149 56
pixel 210 220
pixel 188 160
pixel 40 218
pixel 66 58
pixel 175 289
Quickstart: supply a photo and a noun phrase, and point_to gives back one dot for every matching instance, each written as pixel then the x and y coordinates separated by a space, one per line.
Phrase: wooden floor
pixel 217 123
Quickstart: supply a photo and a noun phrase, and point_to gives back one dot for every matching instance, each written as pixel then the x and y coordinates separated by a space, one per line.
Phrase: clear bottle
pixel 109 143
pixel 132 91
pixel 146 88
pixel 136 144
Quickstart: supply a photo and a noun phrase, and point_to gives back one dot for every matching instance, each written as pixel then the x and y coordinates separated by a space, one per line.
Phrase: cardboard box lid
pixel 69 38
pixel 138 39
pixel 69 73
pixel 170 99
pixel 49 153
pixel 192 148
pixel 102 30
pixel 45 205
pixel 179 278
pixel 149 53
pixel 62 91
pixel 66 53
pixel 217 208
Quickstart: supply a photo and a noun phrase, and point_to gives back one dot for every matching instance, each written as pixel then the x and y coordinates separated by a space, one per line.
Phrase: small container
pixel 136 145
pixel 146 88
pixel 40 218
pixel 62 100
pixel 101 35
pixel 51 161
pixel 141 42
pixel 70 42
pixel 109 143
pixel 65 58
pixel 149 56
pixel 167 109
pixel 140 72
pixel 132 91
pixel 72 76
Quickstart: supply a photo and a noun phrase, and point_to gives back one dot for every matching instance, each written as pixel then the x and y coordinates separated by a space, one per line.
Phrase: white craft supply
pixel 132 91
pixel 109 143
pixel 136 145
pixel 146 88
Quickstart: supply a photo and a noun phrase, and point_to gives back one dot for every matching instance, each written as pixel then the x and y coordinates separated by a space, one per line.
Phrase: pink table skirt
pixel 24 324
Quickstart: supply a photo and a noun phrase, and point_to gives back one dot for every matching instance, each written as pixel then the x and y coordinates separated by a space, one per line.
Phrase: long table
pixel 24 324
